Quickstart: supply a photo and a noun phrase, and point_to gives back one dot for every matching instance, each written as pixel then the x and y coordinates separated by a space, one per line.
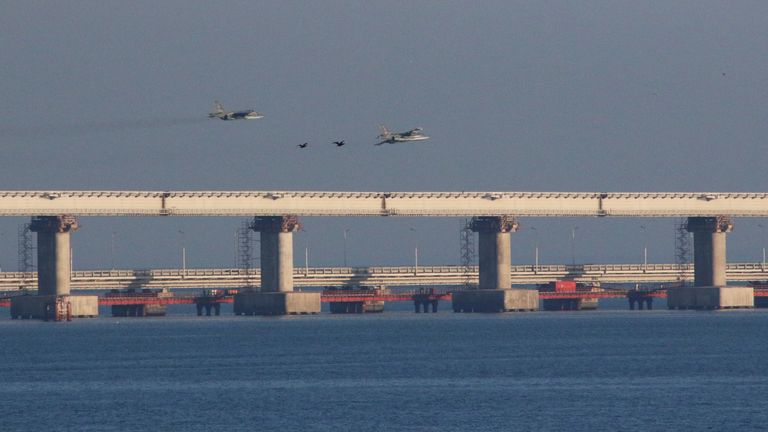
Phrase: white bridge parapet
pixel 379 276
pixel 261 203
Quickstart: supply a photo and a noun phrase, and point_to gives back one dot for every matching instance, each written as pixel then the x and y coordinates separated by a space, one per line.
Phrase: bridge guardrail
pixel 334 271
pixel 393 276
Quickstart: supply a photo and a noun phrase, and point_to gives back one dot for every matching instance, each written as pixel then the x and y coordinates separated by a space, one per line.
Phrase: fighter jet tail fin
pixel 385 133
pixel 218 109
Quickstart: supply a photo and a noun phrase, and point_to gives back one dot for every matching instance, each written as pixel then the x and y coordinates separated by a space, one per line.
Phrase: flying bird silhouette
pixel 303 145
pixel 339 143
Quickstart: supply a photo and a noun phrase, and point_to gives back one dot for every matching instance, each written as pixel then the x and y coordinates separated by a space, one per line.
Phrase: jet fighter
pixel 220 113
pixel 388 137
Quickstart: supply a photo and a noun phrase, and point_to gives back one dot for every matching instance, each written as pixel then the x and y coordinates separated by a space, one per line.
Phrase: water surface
pixel 568 371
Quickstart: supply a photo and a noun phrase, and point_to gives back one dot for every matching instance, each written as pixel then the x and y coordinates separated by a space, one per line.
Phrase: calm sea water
pixel 606 370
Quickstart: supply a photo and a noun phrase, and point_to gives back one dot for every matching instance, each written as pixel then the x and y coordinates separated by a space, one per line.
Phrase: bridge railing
pixel 405 270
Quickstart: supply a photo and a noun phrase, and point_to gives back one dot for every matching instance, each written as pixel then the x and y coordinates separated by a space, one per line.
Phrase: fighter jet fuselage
pixel 221 114
pixel 388 137
pixel 240 115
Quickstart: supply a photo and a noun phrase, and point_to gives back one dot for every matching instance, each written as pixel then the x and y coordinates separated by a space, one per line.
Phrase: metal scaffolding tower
pixel 468 256
pixel 246 250
pixel 26 251
pixel 682 248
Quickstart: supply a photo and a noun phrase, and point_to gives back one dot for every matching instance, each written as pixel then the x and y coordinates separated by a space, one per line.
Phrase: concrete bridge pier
pixel 54 253
pixel 495 293
pixel 276 296
pixel 641 298
pixel 425 304
pixel 276 251
pixel 709 252
pixel 207 307
pixel 565 304
pixel 54 267
pixel 709 289
pixel 648 301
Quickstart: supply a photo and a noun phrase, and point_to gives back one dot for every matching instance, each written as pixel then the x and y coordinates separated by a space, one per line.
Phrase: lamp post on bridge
pixel 235 248
pixel 306 251
pixel 346 233
pixel 573 245
pixel 183 254
pixel 645 247
pixel 415 253
pixel 112 252
pixel 536 250
pixel 762 240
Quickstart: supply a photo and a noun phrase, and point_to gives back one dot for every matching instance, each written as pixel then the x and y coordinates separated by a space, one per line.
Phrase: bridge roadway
pixel 466 204
pixel 380 276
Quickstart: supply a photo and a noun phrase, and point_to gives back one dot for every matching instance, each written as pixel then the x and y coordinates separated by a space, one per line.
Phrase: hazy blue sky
pixel 536 95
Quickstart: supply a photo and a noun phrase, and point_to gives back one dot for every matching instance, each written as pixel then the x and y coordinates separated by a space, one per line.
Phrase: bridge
pixel 427 276
pixel 307 203
pixel 276 216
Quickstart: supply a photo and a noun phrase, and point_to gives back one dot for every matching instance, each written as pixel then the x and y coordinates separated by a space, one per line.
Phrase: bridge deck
pixel 318 203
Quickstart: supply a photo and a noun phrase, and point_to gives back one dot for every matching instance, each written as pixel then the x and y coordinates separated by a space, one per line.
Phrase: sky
pixel 595 96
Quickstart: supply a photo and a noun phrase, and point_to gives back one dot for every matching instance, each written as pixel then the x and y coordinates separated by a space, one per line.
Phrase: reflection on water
pixel 602 370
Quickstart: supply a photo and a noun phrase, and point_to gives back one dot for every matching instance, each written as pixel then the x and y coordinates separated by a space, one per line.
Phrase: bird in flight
pixel 339 143
pixel 303 145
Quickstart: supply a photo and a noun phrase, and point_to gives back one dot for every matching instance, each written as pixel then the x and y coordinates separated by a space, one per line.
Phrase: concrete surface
pixel 710 298
pixel 502 300
pixel 276 303
pixel 43 306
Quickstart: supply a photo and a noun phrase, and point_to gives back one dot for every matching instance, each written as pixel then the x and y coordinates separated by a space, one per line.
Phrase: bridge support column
pixel 53 253
pixel 495 253
pixel 276 234
pixel 494 293
pixel 54 267
pixel 709 289
pixel 709 253
pixel 276 296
